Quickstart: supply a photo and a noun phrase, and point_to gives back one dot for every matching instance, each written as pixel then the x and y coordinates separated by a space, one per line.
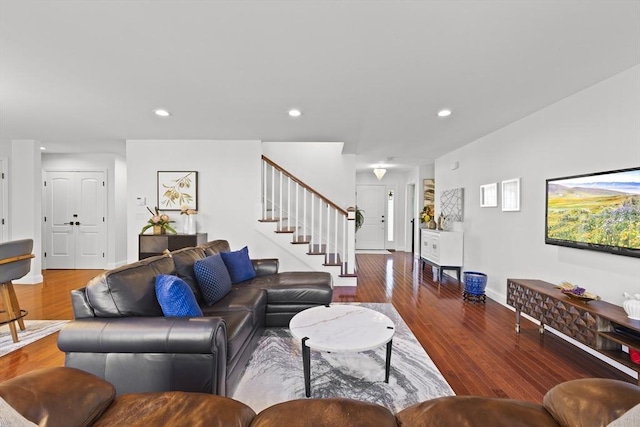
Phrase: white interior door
pixel 372 200
pixel 75 218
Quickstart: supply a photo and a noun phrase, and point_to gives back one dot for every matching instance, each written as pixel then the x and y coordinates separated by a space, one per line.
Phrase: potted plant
pixel 159 222
pixel 359 218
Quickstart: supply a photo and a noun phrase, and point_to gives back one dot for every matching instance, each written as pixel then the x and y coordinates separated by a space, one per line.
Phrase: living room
pixel 592 126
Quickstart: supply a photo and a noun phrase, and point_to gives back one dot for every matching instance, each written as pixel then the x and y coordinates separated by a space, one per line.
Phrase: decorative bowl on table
pixel 632 305
pixel 577 292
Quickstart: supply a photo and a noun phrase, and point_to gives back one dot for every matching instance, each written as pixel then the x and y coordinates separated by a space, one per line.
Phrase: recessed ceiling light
pixel 295 113
pixel 43 148
pixel 162 113
pixel 444 113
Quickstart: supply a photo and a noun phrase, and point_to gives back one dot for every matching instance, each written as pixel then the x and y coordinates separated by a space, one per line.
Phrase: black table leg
pixel 387 367
pixel 306 364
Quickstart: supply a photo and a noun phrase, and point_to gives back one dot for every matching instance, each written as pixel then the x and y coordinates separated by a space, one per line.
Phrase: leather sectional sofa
pixel 56 397
pixel 120 334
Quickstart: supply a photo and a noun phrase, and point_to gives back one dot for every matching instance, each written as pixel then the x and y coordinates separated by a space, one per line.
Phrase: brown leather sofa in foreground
pixel 70 397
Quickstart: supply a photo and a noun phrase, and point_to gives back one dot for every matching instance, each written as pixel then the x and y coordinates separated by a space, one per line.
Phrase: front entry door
pixel 372 200
pixel 74 219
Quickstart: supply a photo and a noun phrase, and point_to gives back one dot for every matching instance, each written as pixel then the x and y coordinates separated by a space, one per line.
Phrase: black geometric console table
pixel 155 244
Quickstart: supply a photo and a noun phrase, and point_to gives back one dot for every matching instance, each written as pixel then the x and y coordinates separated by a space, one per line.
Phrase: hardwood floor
pixel 473 344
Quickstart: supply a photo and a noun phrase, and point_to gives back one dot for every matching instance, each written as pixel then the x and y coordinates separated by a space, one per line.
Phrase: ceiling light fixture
pixel 162 113
pixel 295 113
pixel 444 113
pixel 42 148
pixel 379 172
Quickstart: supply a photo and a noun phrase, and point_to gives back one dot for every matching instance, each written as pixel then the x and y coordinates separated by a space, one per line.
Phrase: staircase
pixel 307 225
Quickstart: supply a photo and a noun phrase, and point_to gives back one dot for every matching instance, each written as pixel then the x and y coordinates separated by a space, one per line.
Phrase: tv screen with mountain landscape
pixel 597 211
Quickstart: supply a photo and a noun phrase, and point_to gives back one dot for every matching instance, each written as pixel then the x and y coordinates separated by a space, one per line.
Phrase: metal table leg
pixel 306 364
pixel 387 367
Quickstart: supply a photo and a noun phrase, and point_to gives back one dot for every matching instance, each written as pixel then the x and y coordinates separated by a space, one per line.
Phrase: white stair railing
pixel 312 219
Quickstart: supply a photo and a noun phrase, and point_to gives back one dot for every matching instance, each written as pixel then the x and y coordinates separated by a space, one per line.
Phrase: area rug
pixel 274 372
pixel 34 330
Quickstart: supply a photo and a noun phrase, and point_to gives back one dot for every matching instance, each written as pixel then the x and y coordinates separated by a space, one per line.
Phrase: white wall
pixel 229 179
pixel 116 195
pixel 321 165
pixel 595 130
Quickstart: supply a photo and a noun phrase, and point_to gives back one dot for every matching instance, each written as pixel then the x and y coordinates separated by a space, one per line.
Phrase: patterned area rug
pixel 274 372
pixel 35 330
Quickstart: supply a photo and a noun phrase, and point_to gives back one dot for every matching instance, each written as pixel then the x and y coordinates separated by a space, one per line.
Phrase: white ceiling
pixel 83 76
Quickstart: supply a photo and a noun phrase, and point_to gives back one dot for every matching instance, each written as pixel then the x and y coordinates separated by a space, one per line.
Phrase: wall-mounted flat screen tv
pixel 596 211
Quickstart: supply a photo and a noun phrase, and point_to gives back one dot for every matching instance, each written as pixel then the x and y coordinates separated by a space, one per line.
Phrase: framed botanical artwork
pixel 177 189
pixel 489 195
pixel 511 195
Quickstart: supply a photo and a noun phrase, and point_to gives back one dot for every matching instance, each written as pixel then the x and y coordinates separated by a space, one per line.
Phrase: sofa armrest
pixel 45 396
pixel 150 354
pixel 266 266
pixel 204 335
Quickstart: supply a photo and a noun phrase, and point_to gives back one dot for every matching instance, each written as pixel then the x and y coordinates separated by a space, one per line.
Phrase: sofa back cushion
pixel 129 290
pixel 215 247
pixel 183 260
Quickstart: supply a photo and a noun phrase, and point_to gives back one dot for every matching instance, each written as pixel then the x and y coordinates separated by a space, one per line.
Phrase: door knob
pixel 77 223
pixel 69 223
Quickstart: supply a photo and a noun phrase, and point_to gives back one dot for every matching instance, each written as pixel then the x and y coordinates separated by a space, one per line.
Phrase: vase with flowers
pixel 190 220
pixel 426 217
pixel 160 223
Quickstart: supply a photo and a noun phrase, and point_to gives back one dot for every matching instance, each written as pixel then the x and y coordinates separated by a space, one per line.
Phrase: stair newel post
pixel 313 223
pixel 344 244
pixel 351 238
pixel 273 187
pixel 296 221
pixel 327 251
pixel 280 216
pixel 304 212
pixel 335 237
pixel 288 202
pixel 320 223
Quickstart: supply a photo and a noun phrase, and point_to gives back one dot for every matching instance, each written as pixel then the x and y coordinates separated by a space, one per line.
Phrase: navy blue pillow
pixel 213 278
pixel 239 265
pixel 176 297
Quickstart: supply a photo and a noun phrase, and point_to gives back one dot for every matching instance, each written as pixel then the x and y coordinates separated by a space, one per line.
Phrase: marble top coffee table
pixel 341 328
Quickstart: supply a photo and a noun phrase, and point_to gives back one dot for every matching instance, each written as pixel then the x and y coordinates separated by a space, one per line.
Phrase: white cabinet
pixel 443 249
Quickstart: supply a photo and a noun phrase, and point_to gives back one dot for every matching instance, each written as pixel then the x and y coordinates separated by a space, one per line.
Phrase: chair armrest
pixel 45 396
pixel 201 335
pixel 266 266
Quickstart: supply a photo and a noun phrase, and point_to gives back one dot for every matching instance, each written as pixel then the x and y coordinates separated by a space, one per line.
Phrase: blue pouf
pixel 474 286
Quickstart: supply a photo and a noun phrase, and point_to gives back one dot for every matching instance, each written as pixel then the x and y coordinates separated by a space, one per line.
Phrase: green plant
pixel 359 218
pixel 161 220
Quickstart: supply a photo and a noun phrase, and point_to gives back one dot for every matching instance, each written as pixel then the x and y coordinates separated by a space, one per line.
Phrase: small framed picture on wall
pixel 489 195
pixel 177 189
pixel 511 195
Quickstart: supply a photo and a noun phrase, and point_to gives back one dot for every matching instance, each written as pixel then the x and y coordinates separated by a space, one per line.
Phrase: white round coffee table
pixel 341 328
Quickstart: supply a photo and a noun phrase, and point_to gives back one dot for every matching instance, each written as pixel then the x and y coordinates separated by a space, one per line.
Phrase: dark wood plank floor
pixel 473 344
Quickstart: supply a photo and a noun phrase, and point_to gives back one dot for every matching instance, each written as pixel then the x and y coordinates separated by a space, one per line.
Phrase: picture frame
pixel 489 195
pixel 177 189
pixel 511 195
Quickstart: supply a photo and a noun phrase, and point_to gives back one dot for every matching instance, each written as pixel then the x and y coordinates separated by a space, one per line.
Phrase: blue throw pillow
pixel 176 297
pixel 213 278
pixel 239 265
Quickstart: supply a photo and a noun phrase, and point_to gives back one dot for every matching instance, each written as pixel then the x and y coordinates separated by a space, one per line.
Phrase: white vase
pixel 189 224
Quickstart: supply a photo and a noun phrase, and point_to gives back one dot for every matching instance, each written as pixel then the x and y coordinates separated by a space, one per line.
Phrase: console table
pixel 599 325
pixel 442 249
pixel 155 244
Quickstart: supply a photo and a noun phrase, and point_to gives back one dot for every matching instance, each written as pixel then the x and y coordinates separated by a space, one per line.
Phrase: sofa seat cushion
pixel 590 401
pixel 330 412
pixel 175 408
pixel 58 396
pixel 475 411
pixel 297 287
pixel 129 290
pixel 253 300
pixel 240 329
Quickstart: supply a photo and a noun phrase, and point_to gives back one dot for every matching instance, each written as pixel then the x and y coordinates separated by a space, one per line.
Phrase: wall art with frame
pixel 177 189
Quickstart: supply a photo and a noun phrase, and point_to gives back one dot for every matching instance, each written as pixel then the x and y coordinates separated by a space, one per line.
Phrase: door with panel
pixel 75 219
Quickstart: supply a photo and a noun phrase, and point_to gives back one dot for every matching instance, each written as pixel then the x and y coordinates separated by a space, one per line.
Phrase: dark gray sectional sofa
pixel 120 334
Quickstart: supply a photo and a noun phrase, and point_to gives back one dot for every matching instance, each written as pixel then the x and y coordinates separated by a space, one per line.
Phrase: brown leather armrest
pixel 60 396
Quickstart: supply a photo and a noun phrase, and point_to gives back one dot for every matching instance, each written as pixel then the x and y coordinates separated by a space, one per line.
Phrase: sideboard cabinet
pixel 155 244
pixel 442 249
pixel 602 326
